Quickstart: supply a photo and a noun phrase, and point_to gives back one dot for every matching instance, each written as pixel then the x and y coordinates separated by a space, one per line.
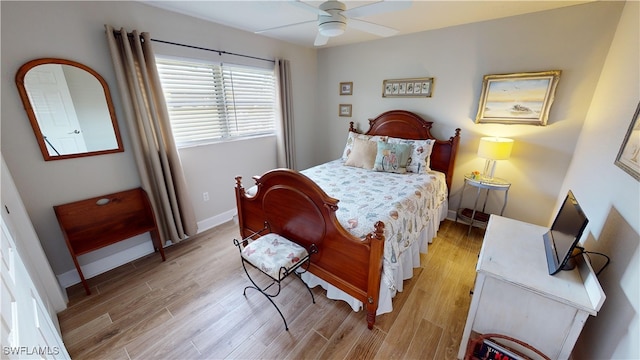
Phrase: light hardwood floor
pixel 192 307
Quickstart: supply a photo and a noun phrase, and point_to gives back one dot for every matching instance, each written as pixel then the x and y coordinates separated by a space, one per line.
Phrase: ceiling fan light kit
pixel 335 23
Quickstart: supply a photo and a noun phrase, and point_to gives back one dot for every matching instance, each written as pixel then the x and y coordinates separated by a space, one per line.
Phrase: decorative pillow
pixel 353 135
pixel 419 160
pixel 392 157
pixel 362 154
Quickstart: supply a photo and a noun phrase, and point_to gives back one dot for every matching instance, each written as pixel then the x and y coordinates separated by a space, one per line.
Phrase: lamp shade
pixel 495 148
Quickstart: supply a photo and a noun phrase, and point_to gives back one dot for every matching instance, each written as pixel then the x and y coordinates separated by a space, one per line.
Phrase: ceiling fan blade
pixel 372 28
pixel 320 40
pixel 310 8
pixel 283 26
pixel 377 8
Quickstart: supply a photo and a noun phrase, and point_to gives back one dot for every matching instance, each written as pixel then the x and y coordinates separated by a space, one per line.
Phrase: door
pixel 26 330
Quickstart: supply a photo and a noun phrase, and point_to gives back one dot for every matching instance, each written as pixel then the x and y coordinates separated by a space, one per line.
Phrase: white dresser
pixel 514 294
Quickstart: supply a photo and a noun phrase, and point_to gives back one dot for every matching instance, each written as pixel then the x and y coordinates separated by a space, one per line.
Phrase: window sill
pixel 224 141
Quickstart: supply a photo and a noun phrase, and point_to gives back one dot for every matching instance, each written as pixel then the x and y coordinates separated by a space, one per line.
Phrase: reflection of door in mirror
pixel 51 100
pixel 70 109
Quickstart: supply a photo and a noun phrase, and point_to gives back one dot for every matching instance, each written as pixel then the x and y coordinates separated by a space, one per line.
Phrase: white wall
pixel 611 198
pixel 74 30
pixel 573 39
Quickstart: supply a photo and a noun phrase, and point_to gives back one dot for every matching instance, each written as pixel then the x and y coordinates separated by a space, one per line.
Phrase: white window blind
pixel 209 102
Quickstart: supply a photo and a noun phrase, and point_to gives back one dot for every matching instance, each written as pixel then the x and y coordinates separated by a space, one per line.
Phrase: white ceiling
pixel 420 16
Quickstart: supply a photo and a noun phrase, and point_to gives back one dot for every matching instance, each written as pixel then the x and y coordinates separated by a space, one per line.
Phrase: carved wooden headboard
pixel 407 125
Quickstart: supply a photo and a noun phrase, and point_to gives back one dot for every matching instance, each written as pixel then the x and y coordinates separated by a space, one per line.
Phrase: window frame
pixel 225 116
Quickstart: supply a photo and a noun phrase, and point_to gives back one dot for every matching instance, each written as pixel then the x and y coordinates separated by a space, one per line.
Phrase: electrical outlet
pixel 205 196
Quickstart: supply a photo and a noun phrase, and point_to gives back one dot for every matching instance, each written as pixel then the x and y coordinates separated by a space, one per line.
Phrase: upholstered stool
pixel 277 257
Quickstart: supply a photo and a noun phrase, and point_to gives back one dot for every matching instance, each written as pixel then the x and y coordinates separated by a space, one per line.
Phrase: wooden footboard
pixel 293 206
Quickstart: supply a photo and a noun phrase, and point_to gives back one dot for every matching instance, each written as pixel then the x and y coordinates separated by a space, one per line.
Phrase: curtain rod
pixel 220 52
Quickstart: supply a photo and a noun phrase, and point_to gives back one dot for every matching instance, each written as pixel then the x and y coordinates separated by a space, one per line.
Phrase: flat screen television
pixel 564 234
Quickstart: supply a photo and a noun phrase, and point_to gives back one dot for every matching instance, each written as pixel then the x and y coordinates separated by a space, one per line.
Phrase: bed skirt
pixel 403 270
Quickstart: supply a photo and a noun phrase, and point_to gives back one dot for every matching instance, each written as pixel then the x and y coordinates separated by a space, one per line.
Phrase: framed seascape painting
pixel 628 158
pixel 522 98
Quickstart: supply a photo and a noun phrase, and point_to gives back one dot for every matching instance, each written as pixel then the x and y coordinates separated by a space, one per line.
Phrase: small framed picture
pixel 346 88
pixel 344 110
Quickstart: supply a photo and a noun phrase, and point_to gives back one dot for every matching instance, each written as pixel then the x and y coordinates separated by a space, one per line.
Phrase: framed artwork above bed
pixel 414 87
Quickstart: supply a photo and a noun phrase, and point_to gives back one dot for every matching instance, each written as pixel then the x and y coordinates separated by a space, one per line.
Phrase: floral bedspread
pixel 404 202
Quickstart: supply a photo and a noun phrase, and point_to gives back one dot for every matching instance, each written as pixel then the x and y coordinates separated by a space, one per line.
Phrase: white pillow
pixel 353 135
pixel 419 161
pixel 362 154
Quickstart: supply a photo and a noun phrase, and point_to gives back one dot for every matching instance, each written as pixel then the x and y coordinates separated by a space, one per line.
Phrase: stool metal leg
pixel 262 291
pixel 307 286
pixel 283 274
pixel 313 249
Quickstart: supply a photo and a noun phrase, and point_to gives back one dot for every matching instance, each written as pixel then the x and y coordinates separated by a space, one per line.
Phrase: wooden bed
pixel 297 208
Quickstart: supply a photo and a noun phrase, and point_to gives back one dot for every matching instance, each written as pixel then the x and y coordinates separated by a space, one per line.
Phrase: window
pixel 209 102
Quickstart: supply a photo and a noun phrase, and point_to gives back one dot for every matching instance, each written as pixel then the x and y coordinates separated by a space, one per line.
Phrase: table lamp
pixel 492 149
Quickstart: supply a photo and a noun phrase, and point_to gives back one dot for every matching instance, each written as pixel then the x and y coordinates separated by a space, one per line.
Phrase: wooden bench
pixel 91 224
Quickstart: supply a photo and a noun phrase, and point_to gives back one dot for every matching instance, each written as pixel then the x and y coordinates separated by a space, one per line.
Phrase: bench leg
pixel 157 243
pixel 82 279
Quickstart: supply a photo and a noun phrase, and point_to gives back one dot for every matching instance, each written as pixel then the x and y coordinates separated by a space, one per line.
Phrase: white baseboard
pixel 451 215
pixel 105 264
pixel 110 262
pixel 214 221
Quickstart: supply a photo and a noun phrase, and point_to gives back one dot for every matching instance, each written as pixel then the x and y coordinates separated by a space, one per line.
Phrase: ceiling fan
pixel 333 18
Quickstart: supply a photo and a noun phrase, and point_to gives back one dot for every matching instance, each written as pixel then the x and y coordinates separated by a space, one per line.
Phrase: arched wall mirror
pixel 70 109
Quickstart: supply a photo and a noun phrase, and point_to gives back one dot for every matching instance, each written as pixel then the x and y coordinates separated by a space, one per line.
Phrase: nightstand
pixel 475 216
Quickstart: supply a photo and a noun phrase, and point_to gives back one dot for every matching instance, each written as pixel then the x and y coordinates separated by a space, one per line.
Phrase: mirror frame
pixel 22 72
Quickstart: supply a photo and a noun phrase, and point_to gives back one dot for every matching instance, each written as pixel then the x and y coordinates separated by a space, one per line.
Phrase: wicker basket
pixel 474 346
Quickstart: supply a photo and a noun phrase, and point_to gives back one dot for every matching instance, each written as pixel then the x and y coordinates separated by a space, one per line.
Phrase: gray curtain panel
pixel 153 146
pixel 284 125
